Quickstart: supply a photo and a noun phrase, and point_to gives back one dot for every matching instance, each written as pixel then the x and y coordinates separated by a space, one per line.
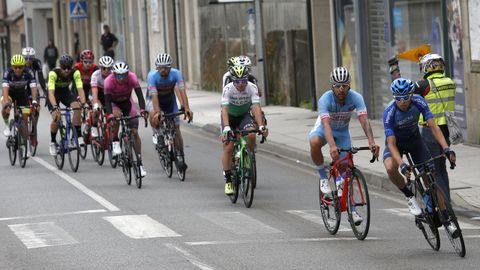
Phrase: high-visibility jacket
pixel 440 98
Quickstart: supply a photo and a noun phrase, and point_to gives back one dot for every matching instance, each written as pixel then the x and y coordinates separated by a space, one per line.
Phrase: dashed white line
pixel 45 234
pixel 192 259
pixel 140 226
pixel 78 185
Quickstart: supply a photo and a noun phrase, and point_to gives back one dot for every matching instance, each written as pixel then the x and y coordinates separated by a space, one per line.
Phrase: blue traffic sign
pixel 78 9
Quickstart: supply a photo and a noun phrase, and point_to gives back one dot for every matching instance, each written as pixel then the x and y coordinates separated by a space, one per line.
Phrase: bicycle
pixel 32 131
pixel 129 158
pixel 354 197
pixel 244 175
pixel 86 133
pixel 68 141
pixel 16 143
pixel 103 142
pixel 167 152
pixel 430 198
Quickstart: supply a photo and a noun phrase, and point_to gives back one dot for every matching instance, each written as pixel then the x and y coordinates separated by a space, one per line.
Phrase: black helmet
pixel 66 61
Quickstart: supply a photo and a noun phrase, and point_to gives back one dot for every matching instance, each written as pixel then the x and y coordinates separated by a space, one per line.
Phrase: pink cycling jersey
pixel 121 92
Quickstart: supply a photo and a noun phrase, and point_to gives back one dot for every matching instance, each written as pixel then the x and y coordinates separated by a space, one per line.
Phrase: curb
pixel 377 180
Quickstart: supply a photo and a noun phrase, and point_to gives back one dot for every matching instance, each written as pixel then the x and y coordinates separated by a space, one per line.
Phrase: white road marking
pixel 45 234
pixel 273 241
pixel 238 223
pixel 315 216
pixel 403 212
pixel 78 185
pixel 140 226
pixel 55 214
pixel 189 257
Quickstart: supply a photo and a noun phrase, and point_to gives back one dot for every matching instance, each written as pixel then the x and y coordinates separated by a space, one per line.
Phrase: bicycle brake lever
pixel 263 139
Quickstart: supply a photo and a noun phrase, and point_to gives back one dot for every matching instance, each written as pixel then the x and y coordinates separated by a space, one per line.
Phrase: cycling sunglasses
pixel 403 97
pixel 66 68
pixel 338 85
pixel 164 67
pixel 87 62
pixel 18 67
pixel 106 68
pixel 240 81
pixel 121 76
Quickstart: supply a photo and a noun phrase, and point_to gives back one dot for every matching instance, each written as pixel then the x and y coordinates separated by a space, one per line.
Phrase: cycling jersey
pixel 157 85
pixel 17 86
pixel 56 81
pixel 36 67
pixel 97 80
pixel 404 125
pixel 239 102
pixel 86 74
pixel 227 78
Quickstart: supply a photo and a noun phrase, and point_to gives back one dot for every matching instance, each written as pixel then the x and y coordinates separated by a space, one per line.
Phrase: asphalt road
pixel 93 220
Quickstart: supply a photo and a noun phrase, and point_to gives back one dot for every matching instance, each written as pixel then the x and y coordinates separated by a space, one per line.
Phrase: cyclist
pixel 400 120
pixel 97 83
pixel 36 66
pixel 59 80
pixel 164 85
pixel 239 100
pixel 119 101
pixel 335 108
pixel 86 66
pixel 440 100
pixel 16 80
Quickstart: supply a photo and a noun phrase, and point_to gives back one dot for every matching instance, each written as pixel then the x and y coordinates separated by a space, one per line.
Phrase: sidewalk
pixel 288 136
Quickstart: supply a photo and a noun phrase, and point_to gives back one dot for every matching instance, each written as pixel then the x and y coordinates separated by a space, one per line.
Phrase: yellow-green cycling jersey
pixel 57 81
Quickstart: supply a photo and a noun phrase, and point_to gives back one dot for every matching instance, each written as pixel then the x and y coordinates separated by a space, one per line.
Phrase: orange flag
pixel 416 53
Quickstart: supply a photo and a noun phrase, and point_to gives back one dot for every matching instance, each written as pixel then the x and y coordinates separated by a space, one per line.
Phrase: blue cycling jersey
pixel 340 114
pixel 404 125
pixel 157 85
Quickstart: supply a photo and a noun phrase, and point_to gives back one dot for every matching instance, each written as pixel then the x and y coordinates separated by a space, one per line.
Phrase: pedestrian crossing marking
pixel 140 227
pixel 238 223
pixel 44 234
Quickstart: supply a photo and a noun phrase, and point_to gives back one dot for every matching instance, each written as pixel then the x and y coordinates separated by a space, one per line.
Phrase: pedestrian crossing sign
pixel 78 9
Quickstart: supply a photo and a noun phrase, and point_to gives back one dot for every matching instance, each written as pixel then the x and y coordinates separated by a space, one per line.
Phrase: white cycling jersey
pixel 239 102
pixel 97 79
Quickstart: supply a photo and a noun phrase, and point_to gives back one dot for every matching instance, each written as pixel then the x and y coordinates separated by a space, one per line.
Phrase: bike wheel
pixel 60 156
pixel 94 149
pixel 86 135
pixel 358 201
pixel 235 184
pixel 426 222
pixel 73 149
pixel 180 172
pixel 99 143
pixel 136 165
pixel 12 144
pixel 330 209
pixel 111 157
pixel 125 160
pixel 254 175
pixel 247 176
pixel 457 239
pixel 22 150
pixel 166 160
pixel 33 136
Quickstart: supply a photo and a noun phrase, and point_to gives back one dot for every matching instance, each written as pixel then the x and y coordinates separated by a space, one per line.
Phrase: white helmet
pixel 163 59
pixel 431 62
pixel 244 61
pixel 28 51
pixel 105 61
pixel 340 75
pixel 120 67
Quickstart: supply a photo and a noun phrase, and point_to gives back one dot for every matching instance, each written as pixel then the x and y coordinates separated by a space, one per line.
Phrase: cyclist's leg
pixel 6 107
pixel 392 170
pixel 317 141
pixel 248 123
pixel 133 124
pixel 441 174
pixel 227 155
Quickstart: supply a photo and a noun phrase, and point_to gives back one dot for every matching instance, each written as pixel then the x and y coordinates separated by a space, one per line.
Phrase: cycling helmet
pixel 244 61
pixel 340 75
pixel 432 62
pixel 401 87
pixel 17 60
pixel 28 51
pixel 163 59
pixel 239 72
pixel 66 61
pixel 120 67
pixel 232 61
pixel 105 61
pixel 86 54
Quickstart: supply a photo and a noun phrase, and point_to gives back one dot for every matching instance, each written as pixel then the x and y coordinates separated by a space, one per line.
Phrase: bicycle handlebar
pixel 173 114
pixel 126 118
pixel 425 163
pixel 355 150
pixel 244 133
